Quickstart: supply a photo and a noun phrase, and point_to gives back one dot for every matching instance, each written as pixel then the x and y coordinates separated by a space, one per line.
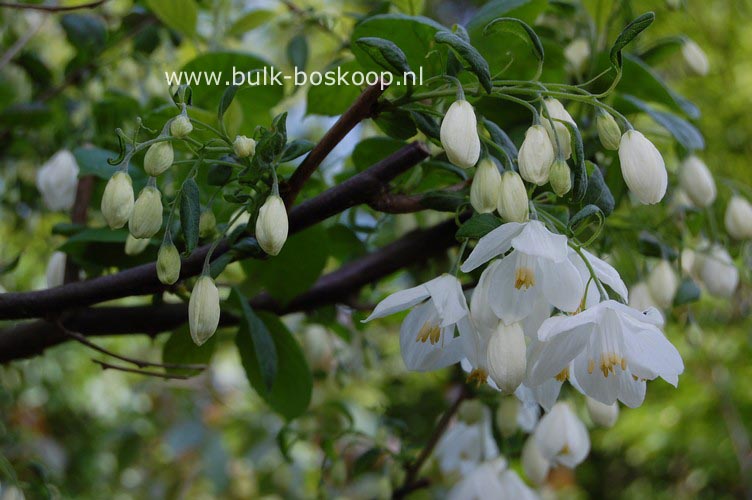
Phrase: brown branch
pixel 78 216
pixel 407 203
pixel 148 373
pixel 52 8
pixel 364 107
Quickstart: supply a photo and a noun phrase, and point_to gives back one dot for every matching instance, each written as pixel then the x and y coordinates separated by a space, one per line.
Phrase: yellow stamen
pixel 479 376
pixel 590 365
pixel 524 276
pixel 608 362
pixel 563 375
pixel 429 331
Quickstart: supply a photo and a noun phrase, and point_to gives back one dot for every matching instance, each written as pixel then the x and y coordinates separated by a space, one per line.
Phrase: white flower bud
pixel 680 200
pixel 557 113
pixel 203 310
pixel 506 416
pixel 663 284
pixel 718 272
pixel 244 146
pixel 484 192
pixel 146 220
pixel 602 414
pixel 117 200
pixel 318 348
pixel 513 202
pixel 206 224
pixel 134 246
pixel 181 126
pixel 697 181
pixel 534 464
pixel 640 298
pixel 695 58
pixel 57 180
pixel 536 155
pixel 642 167
pixel 609 132
pixel 459 134
pixel 168 264
pixel 561 437
pixel 560 178
pixel 507 359
pixel 688 264
pixel 158 158
pixel 271 225
pixel 56 270
pixel 577 53
pixel 738 218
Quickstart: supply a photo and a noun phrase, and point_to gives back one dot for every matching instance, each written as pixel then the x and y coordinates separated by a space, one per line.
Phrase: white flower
pixel 642 167
pixel 663 284
pixel 614 349
pixel 57 180
pixel 680 200
pixel 536 155
pixel 459 134
pixel 56 270
pixel 697 181
pixel 577 53
pixel 507 356
pixel 484 193
pixel 529 410
pixel 537 269
pixel 738 218
pixel 558 114
pixel 640 298
pixel 718 272
pixel 272 225
pixel 513 204
pixel 465 445
pixel 561 437
pixel 534 464
pixel 427 336
pixel 492 480
pixel 695 57
pixel 602 414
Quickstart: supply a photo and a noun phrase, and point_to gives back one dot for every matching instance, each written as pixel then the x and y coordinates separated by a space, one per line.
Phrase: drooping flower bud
pixel 609 132
pixel 244 146
pixel 181 126
pixel 56 270
pixel 168 263
pixel 507 361
pixel 203 310
pixel 134 246
pixel 513 202
pixel 271 225
pixel 459 134
pixel 640 298
pixel 695 57
pixel 158 158
pixel 697 181
pixel 536 155
pixel 484 192
pixel 57 180
pixel 642 167
pixel 718 272
pixel 577 53
pixel 558 114
pixel 506 415
pixel 207 223
pixel 117 200
pixel 471 412
pixel 146 220
pixel 318 348
pixel 561 177
pixel 663 284
pixel 561 437
pixel 738 218
pixel 534 464
pixel 602 414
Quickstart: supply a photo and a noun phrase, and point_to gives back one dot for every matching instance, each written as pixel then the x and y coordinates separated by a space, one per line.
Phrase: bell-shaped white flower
pixel 642 167
pixel 537 269
pixel 558 114
pixel 738 218
pixel 427 336
pixel 718 272
pixel 465 445
pixel 614 349
pixel 561 437
pixel 56 270
pixel 663 284
pixel 695 57
pixel 513 203
pixel 459 134
pixel 535 465
pixel 491 480
pixel 536 155
pixel 577 53
pixel 57 180
pixel 602 414
pixel 697 181
pixel 484 193
pixel 507 356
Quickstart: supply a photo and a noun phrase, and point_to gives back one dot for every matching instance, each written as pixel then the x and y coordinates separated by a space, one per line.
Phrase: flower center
pixel 563 375
pixel 608 363
pixel 524 276
pixel 479 376
pixel 429 332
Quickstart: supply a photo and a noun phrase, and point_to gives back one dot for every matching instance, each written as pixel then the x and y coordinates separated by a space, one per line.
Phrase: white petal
pixel 595 385
pixel 495 243
pixel 555 354
pixel 562 284
pixel 511 304
pixel 424 356
pixel 536 240
pixel 631 391
pixel 650 354
pixel 547 393
pixel 448 298
pixel 399 301
pixel 608 275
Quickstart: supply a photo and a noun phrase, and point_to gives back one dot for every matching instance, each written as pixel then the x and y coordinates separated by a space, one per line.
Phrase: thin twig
pixel 52 8
pixel 147 373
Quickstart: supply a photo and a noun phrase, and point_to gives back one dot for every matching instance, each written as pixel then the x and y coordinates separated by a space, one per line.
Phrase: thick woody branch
pixel 391 203
pixel 361 109
pixel 32 338
pixel 142 280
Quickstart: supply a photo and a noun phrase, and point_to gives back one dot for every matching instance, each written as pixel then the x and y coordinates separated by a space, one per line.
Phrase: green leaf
pixel 190 213
pixel 628 34
pixel 598 193
pixel 443 201
pixel 224 103
pixel 397 124
pixel 662 49
pixel 684 132
pixel 297 52
pixel 426 124
pixel 501 139
pixel 333 100
pixel 525 10
pixel 219 174
pixel 687 292
pixel 260 339
pixel 650 245
pixel 250 21
pixel 521 30
pixel 584 217
pixel 385 53
pixel 93 161
pixel 295 149
pixel 470 55
pixel 180 15
pixel 9 266
pixel 99 234
pixel 374 149
pixel 290 394
pixel 86 32
pixel 180 349
pixel 478 226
